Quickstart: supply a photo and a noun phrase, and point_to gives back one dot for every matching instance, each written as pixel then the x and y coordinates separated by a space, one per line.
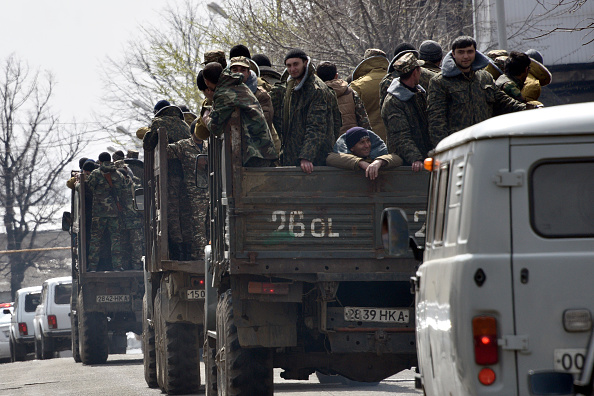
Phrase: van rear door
pixel 552 252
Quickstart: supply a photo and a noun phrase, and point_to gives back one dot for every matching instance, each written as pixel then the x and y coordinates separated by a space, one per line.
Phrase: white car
pixel 5 316
pixel 52 318
pixel 22 337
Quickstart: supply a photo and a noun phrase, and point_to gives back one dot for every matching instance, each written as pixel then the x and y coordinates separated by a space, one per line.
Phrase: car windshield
pixel 32 301
pixel 62 293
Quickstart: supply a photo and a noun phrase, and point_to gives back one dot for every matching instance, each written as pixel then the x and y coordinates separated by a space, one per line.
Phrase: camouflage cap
pixel 407 63
pixel 215 56
pixel 239 61
pixel 494 54
pixel 132 154
pixel 373 52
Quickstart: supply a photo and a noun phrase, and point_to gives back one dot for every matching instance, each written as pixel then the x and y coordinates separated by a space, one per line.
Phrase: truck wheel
pixel 18 353
pixel 47 350
pixel 242 371
pixel 92 333
pixel 38 352
pixel 148 346
pixel 210 369
pixel 178 363
pixel 74 338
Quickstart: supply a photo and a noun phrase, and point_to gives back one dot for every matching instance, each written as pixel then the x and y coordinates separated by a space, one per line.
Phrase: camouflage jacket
pixel 230 94
pixel 511 86
pixel 171 119
pixel 405 115
pixel 187 151
pixel 311 121
pixel 351 107
pixel 457 100
pixel 132 217
pixel 104 196
pixel 366 79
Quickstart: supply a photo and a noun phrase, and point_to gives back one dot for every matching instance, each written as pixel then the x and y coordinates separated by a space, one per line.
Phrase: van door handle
pixel 415 283
pixel 524 275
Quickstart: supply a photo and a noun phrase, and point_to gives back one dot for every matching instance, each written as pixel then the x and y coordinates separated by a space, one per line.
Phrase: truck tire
pixel 44 350
pixel 38 354
pixel 210 369
pixel 92 333
pixel 148 347
pixel 74 338
pixel 178 363
pixel 242 371
pixel 18 352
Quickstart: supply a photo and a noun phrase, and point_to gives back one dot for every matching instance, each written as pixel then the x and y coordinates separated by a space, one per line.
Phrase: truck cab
pixel 504 289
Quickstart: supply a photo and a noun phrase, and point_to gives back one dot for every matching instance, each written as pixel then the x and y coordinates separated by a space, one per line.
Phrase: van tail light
pixel 484 330
pixel 23 329
pixel 268 288
pixel 52 322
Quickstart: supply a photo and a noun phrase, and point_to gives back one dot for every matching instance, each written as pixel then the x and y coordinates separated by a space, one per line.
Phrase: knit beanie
pixel 104 157
pixel 296 53
pixel 82 161
pixel 262 60
pixel 354 135
pixel 118 155
pixel 89 166
pixel 430 50
pixel 160 104
pixel 403 47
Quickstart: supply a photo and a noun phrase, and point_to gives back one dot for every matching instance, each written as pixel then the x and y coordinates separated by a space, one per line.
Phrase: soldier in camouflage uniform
pixel 132 230
pixel 171 119
pixel 311 119
pixel 517 66
pixel 107 212
pixel 230 93
pixel 464 94
pixel 187 151
pixel 405 113
pixel 351 106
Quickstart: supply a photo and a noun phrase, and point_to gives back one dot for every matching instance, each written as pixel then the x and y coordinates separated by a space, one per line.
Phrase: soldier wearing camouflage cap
pixel 405 113
pixel 215 56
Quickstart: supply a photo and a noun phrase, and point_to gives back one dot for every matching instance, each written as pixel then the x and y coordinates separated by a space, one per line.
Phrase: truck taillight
pixel 52 322
pixel 484 330
pixel 23 329
pixel 268 288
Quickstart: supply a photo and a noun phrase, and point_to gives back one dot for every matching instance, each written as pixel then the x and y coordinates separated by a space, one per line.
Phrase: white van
pixel 505 293
pixel 52 318
pixel 22 335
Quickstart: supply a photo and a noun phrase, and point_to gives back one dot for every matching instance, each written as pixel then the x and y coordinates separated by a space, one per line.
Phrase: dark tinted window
pixel 32 301
pixel 562 199
pixel 62 293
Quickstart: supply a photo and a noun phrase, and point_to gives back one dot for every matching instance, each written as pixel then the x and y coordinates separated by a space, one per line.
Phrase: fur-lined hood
pixel 449 68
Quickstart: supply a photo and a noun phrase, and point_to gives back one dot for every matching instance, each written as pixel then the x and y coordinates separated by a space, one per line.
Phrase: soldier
pixel 267 73
pixel 431 54
pixel 360 148
pixel 171 119
pixel 230 93
pixel 105 185
pixel 405 113
pixel 464 94
pixel 351 107
pixel 516 68
pixel 187 151
pixel 366 79
pixel 132 231
pixel 311 120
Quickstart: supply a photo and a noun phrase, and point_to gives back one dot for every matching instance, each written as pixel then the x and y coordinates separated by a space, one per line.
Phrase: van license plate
pixel 196 294
pixel 570 360
pixel 367 314
pixel 113 298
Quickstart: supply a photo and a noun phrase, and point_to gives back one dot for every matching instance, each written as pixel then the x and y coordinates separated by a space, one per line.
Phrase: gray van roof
pixel 574 119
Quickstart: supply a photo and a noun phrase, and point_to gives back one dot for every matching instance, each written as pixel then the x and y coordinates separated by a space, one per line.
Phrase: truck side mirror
pixel 66 221
pixel 139 199
pixel 394 231
pixel 202 171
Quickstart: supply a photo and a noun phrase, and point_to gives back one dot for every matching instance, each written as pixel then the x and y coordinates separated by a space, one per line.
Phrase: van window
pixel 561 196
pixel 62 293
pixel 32 301
pixel 440 208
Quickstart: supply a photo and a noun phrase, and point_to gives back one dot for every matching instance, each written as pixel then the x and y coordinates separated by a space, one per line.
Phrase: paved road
pixel 122 375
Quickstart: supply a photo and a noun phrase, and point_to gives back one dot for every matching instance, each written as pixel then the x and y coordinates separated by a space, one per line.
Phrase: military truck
pixel 105 304
pixel 173 304
pixel 301 278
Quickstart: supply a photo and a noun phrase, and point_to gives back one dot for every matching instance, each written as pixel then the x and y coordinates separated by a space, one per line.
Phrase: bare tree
pixel 341 31
pixel 34 153
pixel 162 63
